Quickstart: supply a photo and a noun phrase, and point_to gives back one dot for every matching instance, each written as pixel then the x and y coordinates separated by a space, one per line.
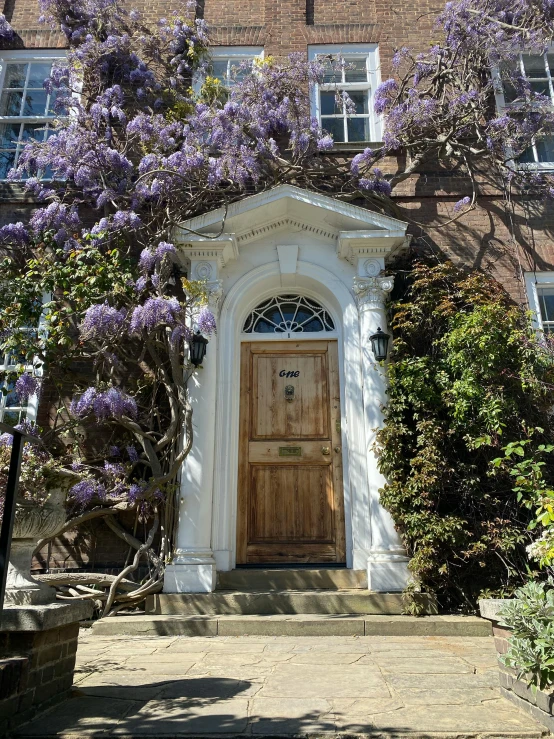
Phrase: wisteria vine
pixel 140 145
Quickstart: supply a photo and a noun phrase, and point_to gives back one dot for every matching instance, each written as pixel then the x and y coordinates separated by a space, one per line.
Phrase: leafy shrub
pixel 467 376
pixel 530 616
pixel 527 471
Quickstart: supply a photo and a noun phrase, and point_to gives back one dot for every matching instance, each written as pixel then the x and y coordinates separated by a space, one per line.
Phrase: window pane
pixel 545 149
pixel 528 156
pixel 355 70
pixel 534 65
pixel 329 74
pixel 263 327
pixel 327 103
pixel 9 134
pixel 360 101
pixel 7 388
pixel 550 61
pixel 35 102
pixel 12 418
pixel 313 325
pixel 59 109
pixel 10 103
pixel 33 131
pixel 40 71
pixel 541 87
pixel 7 160
pixel 219 69
pixel 358 129
pixel 236 73
pixel 15 75
pixel 334 126
pixel 546 302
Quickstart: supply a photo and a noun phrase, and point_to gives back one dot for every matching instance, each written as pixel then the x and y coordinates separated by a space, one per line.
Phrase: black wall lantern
pixel 198 349
pixel 379 345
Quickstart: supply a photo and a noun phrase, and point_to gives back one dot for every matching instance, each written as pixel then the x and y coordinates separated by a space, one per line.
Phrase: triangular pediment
pixel 286 205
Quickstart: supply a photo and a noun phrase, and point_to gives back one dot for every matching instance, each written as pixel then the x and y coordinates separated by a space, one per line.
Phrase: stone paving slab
pixel 369 686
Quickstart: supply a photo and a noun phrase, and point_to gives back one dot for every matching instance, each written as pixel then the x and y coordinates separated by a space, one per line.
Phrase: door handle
pixel 325 450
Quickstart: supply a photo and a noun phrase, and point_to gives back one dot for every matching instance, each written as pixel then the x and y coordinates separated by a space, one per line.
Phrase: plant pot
pixel 540 703
pixel 32 522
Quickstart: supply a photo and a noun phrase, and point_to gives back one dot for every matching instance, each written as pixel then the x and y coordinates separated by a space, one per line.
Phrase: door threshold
pixel 293 566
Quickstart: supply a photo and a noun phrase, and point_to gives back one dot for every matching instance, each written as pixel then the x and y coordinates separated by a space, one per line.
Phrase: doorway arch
pixel 319 284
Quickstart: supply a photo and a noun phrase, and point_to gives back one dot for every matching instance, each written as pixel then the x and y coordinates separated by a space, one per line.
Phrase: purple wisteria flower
pixel 384 95
pixel 461 204
pixel 147 260
pixel 102 321
pixel 15 232
pixel 26 386
pixel 114 451
pixel 27 427
pixel 365 158
pixel 141 284
pixel 6 31
pixel 132 453
pixel 375 182
pixel 154 313
pixel 6 440
pixel 111 403
pixel 114 469
pixel 180 333
pixel 164 248
pixel 206 321
pixel 84 492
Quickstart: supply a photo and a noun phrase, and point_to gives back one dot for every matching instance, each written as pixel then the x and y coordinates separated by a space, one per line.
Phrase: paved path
pixel 287 686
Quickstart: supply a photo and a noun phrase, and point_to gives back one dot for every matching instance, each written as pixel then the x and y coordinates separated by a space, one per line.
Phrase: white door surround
pixel 285 241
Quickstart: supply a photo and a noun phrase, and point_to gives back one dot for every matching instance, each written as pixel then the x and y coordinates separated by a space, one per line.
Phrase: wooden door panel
pixel 291 504
pixel 290 498
pixel 306 415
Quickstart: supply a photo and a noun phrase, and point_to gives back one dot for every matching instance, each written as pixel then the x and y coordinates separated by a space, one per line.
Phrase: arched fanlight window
pixel 288 313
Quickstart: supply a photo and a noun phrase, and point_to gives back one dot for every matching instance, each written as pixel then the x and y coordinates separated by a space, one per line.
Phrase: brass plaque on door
pixel 290 451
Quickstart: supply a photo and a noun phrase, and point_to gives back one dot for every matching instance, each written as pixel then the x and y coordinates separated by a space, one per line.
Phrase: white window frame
pixel 352 52
pixel 501 104
pixel 234 54
pixel 36 369
pixel 23 56
pixel 534 281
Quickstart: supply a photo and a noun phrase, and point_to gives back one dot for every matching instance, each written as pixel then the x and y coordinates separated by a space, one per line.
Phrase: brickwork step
pixel 298 626
pixel 292 579
pixel 289 602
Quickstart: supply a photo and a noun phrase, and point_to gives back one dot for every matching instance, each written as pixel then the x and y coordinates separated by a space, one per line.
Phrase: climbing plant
pixel 468 376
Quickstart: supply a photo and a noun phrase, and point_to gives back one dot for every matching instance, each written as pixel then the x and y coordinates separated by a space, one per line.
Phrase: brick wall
pixel 36 671
pixel 490 238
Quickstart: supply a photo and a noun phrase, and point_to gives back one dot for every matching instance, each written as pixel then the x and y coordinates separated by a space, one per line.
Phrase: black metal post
pixel 9 504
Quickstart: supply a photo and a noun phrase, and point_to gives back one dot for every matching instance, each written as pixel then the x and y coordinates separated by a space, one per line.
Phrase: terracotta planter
pixel 32 522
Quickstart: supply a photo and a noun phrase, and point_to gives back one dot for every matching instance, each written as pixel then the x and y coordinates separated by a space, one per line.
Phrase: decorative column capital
pixel 214 292
pixel 371 292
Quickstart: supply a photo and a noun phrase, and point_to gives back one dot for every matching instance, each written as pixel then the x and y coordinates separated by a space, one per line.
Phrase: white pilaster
pixel 193 569
pixel 387 561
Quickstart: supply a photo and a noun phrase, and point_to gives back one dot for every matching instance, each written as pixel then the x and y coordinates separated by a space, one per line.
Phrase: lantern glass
pixel 380 345
pixel 198 349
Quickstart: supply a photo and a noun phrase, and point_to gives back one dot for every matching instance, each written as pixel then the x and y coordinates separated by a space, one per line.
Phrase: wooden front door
pixel 290 497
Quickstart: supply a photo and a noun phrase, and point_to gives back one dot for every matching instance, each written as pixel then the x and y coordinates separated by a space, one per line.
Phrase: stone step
pixel 292 579
pixel 298 626
pixel 290 602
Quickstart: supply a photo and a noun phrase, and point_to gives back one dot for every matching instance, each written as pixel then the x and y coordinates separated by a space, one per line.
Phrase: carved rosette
pixel 371 292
